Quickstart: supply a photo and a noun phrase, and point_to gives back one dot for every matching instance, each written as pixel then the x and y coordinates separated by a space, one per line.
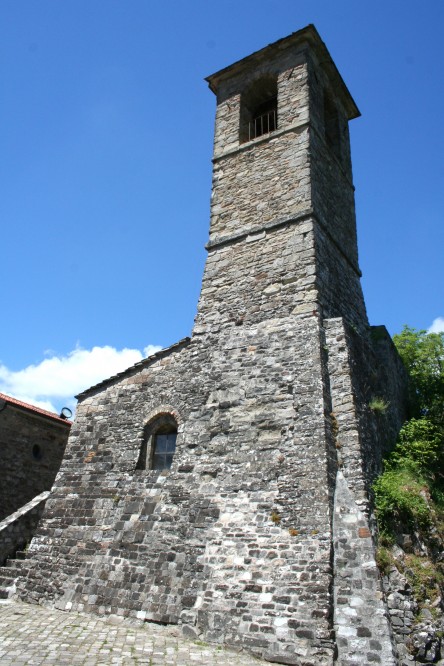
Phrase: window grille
pixel 163 452
pixel 263 124
pixel 259 109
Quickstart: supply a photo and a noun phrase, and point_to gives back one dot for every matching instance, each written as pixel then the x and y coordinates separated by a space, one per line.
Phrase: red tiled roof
pixel 32 408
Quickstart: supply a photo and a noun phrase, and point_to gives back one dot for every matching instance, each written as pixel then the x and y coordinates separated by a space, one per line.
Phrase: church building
pixel 224 484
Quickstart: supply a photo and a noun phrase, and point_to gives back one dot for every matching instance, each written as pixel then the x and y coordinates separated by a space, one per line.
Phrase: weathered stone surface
pixel 17 530
pixel 417 631
pixel 360 617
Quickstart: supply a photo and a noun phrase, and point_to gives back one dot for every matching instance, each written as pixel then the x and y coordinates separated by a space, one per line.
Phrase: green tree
pixel 423 356
pixel 418 447
pixel 409 494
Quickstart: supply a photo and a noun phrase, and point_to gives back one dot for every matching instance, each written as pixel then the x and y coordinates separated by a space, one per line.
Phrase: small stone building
pixel 32 444
pixel 223 484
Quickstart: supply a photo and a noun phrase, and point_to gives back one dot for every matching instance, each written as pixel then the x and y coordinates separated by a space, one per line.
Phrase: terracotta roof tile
pixel 32 408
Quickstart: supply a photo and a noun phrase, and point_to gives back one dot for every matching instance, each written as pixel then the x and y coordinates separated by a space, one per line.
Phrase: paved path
pixel 31 635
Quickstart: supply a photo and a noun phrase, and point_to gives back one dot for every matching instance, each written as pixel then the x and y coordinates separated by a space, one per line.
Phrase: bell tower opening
pixel 258 109
pixel 331 125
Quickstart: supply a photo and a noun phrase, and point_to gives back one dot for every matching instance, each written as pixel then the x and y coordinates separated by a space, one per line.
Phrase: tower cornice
pixel 301 39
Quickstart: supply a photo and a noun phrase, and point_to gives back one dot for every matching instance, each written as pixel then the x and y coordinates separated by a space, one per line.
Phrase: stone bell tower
pixel 282 211
pixel 250 526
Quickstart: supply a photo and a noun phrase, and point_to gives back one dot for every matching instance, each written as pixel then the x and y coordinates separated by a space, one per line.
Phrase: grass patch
pixel 424 576
pixel 378 405
pixel 275 518
pixel 384 560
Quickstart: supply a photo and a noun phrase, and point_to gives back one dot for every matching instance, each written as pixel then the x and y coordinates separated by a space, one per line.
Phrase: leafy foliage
pixel 423 356
pixel 409 495
pixel 419 446
pixel 399 500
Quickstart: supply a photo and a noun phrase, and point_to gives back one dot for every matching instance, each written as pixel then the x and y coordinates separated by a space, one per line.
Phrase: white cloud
pixel 150 349
pixel 53 382
pixel 437 326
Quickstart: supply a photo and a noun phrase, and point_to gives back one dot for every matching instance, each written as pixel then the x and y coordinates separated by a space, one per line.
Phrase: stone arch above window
pixel 159 442
pixel 259 109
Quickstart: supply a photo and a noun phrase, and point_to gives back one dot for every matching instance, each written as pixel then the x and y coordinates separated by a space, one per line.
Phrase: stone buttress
pixel 248 539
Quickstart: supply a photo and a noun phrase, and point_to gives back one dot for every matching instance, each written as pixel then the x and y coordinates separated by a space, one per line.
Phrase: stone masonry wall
pixel 17 530
pixel 362 628
pixel 233 542
pixel 331 173
pixel 247 195
pixel 363 436
pixel 391 382
pixel 265 275
pixel 338 284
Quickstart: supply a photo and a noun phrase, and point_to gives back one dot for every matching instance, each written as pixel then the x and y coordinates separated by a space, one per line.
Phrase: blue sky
pixel 106 131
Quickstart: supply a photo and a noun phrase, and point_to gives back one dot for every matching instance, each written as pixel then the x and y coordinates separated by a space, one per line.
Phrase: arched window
pixel 259 109
pixel 159 443
pixel 164 446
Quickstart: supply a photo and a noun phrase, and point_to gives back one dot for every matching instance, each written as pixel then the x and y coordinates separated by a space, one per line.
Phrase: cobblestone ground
pixel 32 635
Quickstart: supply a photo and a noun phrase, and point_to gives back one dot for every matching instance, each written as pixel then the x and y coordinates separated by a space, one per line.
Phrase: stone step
pixel 13 564
pixel 9 573
pixel 7 578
